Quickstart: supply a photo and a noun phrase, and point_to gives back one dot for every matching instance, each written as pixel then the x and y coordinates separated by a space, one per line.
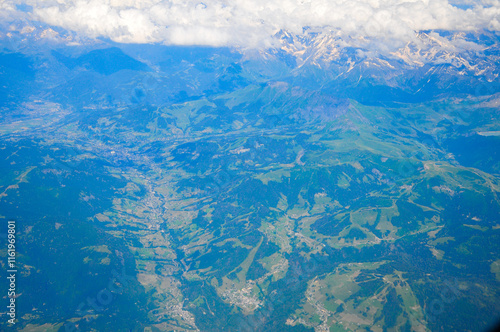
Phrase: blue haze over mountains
pixel 303 187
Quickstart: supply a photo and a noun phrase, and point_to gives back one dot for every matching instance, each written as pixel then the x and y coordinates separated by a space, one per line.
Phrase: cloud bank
pixel 253 23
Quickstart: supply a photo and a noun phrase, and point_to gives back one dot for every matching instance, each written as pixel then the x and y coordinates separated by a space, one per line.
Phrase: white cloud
pixel 252 23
